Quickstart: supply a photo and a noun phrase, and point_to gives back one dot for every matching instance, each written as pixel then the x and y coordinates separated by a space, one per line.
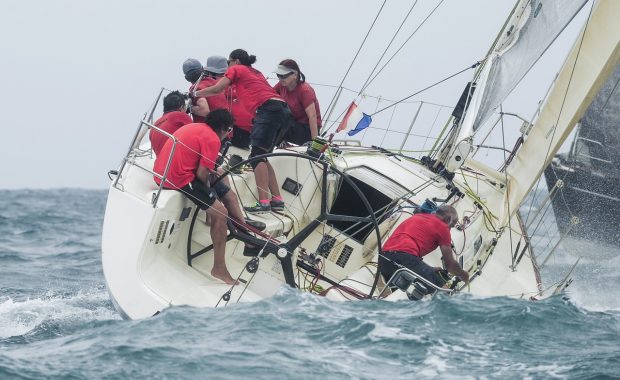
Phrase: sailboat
pixel 586 180
pixel 344 199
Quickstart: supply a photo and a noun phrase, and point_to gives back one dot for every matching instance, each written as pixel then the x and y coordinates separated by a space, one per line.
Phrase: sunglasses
pixel 280 76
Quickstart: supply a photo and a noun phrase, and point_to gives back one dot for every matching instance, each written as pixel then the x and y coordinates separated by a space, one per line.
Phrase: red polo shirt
pixel 169 122
pixel 197 145
pixel 214 102
pixel 298 100
pixel 252 88
pixel 241 116
pixel 419 235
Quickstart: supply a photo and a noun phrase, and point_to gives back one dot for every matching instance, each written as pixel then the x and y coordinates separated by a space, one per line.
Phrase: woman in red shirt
pixel 302 101
pixel 271 120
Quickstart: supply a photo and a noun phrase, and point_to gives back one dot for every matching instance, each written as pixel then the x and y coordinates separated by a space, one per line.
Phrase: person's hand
pixel 464 276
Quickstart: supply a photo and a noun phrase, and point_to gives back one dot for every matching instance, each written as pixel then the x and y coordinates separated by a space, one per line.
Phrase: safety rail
pixel 128 159
pixel 410 277
pixel 577 149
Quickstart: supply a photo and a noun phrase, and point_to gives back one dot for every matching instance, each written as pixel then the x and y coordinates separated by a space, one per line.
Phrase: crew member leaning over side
pixel 302 101
pixel 415 238
pixel 271 119
pixel 174 117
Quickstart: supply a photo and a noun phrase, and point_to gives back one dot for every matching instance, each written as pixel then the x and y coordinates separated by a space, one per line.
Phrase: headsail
pixel 529 31
pixel 534 27
pixel 592 60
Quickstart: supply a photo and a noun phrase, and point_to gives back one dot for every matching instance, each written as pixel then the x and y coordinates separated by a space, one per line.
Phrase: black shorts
pixel 198 193
pixel 270 124
pixel 412 262
pixel 241 138
pixel 298 133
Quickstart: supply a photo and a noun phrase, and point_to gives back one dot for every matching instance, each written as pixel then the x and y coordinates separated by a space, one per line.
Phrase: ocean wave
pixel 29 317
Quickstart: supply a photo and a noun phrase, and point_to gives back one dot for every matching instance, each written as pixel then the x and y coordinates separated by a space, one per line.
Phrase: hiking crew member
pixel 174 117
pixel 302 101
pixel 271 119
pixel 415 238
pixel 191 170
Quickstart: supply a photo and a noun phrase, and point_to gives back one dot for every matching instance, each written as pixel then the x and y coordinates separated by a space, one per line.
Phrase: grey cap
pixel 217 64
pixel 191 65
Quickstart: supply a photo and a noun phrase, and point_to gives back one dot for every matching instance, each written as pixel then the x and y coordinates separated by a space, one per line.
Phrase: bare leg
pixel 261 175
pixel 231 204
pixel 273 182
pixel 218 215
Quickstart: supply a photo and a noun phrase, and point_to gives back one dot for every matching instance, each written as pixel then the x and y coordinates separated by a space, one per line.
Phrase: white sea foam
pixel 21 317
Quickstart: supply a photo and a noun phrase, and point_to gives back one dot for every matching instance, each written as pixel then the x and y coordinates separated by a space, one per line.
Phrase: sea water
pixel 56 319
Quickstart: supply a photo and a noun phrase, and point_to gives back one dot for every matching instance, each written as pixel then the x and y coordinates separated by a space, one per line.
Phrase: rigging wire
pixel 368 81
pixel 332 103
pixel 427 88
pixel 562 107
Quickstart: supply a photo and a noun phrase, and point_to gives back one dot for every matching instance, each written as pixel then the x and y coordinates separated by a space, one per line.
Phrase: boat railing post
pixel 415 117
pixel 138 136
pixel 168 163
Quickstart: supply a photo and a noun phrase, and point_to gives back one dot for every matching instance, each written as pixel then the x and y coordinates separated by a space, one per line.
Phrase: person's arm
pixel 201 108
pixel 215 89
pixel 203 173
pixel 311 112
pixel 452 265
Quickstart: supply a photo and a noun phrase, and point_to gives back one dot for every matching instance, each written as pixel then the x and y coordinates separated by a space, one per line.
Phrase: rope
pixel 427 88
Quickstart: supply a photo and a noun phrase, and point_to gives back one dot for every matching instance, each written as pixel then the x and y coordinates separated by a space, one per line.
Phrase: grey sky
pixel 76 76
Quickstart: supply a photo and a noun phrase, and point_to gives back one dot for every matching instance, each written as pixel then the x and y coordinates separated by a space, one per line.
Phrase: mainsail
pixel 592 60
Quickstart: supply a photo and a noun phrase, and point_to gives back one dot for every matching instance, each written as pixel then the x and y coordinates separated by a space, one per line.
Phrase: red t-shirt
pixel 214 102
pixel 169 122
pixel 198 145
pixel 298 100
pixel 252 88
pixel 241 116
pixel 419 235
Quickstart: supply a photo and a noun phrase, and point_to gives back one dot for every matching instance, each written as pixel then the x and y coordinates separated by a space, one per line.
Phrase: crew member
pixel 190 172
pixel 174 117
pixel 302 101
pixel 418 236
pixel 271 120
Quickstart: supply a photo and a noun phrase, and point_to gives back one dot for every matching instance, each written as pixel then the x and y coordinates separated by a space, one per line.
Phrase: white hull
pixel 144 249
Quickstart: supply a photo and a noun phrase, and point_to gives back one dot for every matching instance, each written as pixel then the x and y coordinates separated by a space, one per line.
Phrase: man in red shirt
pixel 190 170
pixel 174 117
pixel 415 238
pixel 271 120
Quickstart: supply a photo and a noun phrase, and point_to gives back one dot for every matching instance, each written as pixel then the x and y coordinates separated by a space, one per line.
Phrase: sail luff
pixel 591 61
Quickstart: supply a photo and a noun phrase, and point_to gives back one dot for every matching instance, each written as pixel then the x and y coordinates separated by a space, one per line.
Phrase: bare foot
pixel 224 276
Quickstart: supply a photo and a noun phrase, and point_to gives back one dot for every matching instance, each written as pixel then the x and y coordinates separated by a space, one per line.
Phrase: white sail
pixel 590 63
pixel 515 54
pixel 529 31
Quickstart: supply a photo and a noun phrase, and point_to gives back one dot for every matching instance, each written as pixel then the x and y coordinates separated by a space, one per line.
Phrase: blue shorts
pixel 270 124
